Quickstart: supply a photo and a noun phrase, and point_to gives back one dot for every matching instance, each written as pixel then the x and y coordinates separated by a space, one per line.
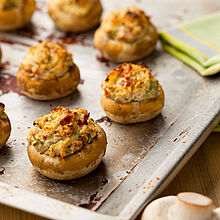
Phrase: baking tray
pixel 141 159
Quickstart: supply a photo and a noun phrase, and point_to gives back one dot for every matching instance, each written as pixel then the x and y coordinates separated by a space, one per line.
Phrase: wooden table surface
pixel 201 174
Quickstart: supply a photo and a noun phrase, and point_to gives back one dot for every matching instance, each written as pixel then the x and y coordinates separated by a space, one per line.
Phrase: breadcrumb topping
pixel 10 4
pixel 127 24
pixel 47 60
pixel 130 83
pixel 76 7
pixel 62 132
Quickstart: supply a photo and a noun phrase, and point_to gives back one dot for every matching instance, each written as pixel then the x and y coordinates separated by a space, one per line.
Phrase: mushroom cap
pixel 158 209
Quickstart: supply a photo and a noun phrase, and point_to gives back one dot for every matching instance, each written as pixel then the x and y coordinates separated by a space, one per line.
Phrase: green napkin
pixel 196 43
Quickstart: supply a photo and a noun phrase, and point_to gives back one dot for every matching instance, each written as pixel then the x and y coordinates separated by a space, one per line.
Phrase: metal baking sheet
pixel 140 158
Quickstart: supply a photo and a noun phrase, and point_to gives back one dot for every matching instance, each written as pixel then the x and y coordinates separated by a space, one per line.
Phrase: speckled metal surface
pixel 140 157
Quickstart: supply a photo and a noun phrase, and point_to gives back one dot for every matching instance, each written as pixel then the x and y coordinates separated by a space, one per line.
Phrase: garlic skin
pixel 184 206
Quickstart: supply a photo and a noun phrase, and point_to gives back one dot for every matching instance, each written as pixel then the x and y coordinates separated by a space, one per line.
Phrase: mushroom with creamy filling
pixel 131 94
pixel 75 15
pixel 66 144
pixel 15 14
pixel 126 35
pixel 47 72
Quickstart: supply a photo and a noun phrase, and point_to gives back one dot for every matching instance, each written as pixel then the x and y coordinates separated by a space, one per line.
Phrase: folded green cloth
pixel 197 43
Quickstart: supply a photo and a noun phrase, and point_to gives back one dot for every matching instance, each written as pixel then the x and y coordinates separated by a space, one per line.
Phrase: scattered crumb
pixel 102 60
pixel 2 170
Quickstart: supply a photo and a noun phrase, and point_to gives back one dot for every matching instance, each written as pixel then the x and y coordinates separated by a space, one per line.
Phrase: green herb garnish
pixel 112 34
pixel 89 138
pixel 10 5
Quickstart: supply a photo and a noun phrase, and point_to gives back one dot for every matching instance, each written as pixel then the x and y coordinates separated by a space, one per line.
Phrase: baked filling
pixel 76 7
pixel 63 132
pixel 128 25
pixel 130 83
pixel 47 61
pixel 10 4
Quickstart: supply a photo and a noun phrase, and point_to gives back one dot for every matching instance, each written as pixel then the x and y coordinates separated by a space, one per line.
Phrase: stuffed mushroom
pixel 131 94
pixel 126 35
pixel 47 72
pixel 66 144
pixel 75 15
pixel 15 14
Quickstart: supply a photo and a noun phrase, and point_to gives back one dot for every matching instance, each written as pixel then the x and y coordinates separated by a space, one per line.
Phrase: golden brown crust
pixel 17 17
pixel 122 50
pixel 5 128
pixel 73 22
pixel 40 89
pixel 133 112
pixel 130 83
pixel 74 166
pixel 117 51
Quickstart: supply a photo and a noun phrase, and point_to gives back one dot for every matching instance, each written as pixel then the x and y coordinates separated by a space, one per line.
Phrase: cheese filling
pixel 129 25
pixel 130 83
pixel 76 7
pixel 48 61
pixel 10 4
pixel 63 132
